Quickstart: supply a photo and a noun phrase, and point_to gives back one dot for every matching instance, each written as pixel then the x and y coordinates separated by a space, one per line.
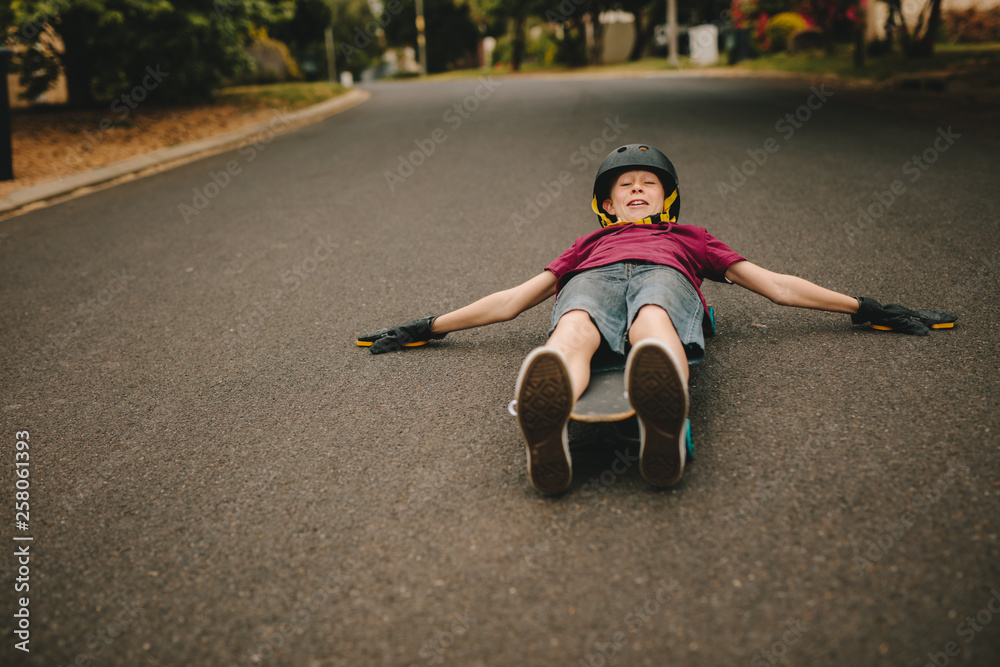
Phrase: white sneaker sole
pixel 544 403
pixel 659 395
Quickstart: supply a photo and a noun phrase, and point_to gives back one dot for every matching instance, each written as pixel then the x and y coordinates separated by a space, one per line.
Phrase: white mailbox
pixel 704 44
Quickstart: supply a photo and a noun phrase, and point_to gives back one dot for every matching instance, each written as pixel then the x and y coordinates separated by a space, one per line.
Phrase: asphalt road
pixel 218 476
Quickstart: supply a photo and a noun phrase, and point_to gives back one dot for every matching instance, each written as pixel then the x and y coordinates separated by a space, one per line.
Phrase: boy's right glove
pixel 410 334
pixel 893 317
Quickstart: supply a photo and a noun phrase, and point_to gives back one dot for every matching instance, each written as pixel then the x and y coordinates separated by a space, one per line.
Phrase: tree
pixel 515 13
pixel 358 35
pixel 825 14
pixel 104 47
pixel 452 37
pixel 646 17
pixel 571 14
pixel 921 41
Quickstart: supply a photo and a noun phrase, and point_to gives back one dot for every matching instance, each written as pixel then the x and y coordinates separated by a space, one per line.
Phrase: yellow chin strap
pixel 606 220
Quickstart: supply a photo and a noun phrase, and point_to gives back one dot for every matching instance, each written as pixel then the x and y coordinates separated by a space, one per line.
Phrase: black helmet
pixel 636 156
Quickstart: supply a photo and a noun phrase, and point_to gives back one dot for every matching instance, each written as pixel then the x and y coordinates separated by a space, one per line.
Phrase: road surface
pixel 218 476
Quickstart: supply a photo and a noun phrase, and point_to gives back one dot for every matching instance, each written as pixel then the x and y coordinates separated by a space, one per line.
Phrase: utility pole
pixel 421 39
pixel 672 59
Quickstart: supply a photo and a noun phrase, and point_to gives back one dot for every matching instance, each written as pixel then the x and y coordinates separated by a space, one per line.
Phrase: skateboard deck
pixel 605 402
pixel 604 399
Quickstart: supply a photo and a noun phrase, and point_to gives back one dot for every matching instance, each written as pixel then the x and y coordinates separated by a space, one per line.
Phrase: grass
pixel 296 95
pixel 288 96
pixel 946 57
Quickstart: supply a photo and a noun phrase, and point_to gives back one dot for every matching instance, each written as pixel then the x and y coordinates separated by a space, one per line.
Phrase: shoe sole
pixel 544 404
pixel 659 396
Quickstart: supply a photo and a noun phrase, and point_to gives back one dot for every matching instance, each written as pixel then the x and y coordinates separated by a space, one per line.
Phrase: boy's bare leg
pixel 552 378
pixel 653 322
pixel 577 338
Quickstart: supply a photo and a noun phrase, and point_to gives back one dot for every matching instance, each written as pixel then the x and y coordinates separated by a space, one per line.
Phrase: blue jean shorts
pixel 612 295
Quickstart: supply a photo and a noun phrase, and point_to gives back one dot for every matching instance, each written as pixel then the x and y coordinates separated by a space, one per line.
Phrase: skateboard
pixel 605 401
pixel 605 404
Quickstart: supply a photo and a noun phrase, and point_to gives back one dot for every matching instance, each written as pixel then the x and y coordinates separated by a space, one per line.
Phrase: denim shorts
pixel 612 295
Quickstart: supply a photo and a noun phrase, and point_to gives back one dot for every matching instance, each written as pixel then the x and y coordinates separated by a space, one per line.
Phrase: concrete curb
pixel 177 155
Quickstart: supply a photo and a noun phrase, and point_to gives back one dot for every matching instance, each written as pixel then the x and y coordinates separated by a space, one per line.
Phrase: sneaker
pixel 659 395
pixel 544 403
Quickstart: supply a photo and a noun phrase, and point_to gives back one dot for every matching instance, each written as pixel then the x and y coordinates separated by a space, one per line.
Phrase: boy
pixel 633 287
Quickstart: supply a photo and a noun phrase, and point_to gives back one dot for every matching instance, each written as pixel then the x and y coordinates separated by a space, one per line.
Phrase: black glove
pixel 893 317
pixel 410 334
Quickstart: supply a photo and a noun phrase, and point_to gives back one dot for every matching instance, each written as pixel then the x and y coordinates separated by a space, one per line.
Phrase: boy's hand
pixel 894 317
pixel 410 334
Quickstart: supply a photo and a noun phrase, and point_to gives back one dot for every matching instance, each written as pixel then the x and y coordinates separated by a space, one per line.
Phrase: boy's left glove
pixel 410 334
pixel 893 317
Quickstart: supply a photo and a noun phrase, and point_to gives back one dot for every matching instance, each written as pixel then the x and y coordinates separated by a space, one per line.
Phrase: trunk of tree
pixel 923 46
pixel 819 10
pixel 596 55
pixel 860 24
pixel 859 46
pixel 574 45
pixel 920 43
pixel 641 37
pixel 904 32
pixel 517 43
pixel 74 65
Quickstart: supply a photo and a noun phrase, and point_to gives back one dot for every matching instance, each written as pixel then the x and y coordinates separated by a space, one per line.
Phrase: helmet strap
pixel 661 218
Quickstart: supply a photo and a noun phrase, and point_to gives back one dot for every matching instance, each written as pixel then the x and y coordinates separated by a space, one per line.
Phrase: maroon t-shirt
pixel 687 248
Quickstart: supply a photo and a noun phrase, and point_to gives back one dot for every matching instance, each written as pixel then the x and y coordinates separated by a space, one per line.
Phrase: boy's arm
pixel 499 306
pixel 786 290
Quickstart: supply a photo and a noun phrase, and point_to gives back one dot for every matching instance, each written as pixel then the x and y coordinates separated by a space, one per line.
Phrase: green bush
pixel 781 26
pixel 272 61
pixel 503 52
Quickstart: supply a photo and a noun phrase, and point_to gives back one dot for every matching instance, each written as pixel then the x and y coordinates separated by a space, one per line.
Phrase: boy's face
pixel 635 195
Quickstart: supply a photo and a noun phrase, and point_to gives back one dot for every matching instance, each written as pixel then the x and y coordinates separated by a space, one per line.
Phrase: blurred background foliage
pixel 104 48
